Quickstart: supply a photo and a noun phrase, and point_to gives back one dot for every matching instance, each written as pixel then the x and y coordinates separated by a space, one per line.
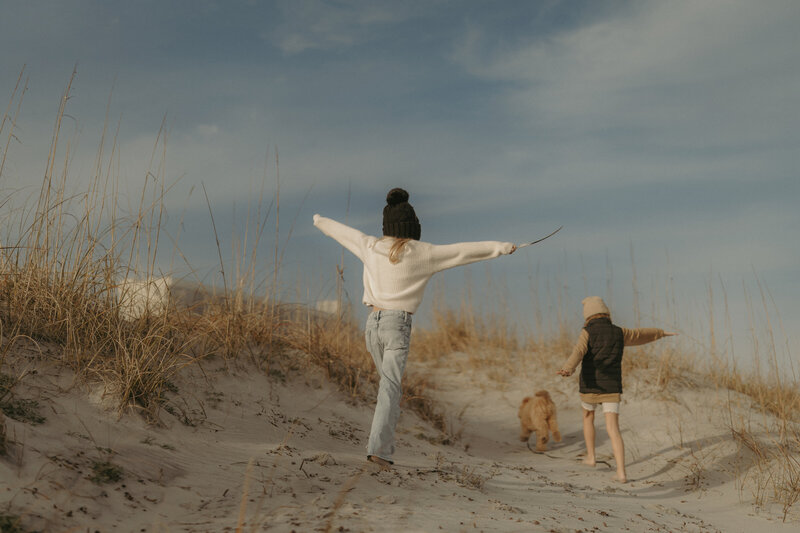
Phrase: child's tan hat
pixel 594 305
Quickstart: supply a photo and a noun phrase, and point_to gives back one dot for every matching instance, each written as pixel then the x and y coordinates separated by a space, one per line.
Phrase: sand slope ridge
pixel 236 448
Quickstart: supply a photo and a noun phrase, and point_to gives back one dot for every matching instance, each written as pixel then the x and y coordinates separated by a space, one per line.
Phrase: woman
pixel 397 268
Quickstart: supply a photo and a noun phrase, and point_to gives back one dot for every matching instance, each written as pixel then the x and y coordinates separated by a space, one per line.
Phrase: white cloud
pixel 316 24
pixel 676 73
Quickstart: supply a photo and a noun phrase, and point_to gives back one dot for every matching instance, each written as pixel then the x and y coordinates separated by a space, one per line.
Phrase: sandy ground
pixel 286 453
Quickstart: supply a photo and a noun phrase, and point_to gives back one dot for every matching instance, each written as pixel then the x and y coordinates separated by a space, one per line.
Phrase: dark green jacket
pixel 601 370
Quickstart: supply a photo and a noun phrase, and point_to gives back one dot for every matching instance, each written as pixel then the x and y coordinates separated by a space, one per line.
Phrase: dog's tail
pixel 521 411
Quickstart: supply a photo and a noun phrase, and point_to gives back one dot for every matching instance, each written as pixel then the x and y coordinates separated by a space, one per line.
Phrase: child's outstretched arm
pixel 639 336
pixel 578 351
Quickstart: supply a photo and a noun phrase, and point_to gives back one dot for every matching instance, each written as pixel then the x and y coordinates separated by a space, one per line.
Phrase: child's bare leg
pixel 617 444
pixel 588 436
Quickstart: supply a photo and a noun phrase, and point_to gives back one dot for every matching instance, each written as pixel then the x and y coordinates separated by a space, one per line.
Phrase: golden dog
pixel 537 414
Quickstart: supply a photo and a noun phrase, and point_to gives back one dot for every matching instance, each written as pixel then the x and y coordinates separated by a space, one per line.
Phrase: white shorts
pixel 608 407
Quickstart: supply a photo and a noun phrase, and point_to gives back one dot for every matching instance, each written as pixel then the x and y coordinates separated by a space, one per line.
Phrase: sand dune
pixel 236 449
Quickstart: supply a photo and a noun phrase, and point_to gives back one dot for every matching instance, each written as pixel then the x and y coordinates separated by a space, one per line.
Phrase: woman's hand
pixel 564 373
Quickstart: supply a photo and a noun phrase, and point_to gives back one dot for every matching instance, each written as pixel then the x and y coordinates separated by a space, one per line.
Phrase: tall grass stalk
pixel 8 120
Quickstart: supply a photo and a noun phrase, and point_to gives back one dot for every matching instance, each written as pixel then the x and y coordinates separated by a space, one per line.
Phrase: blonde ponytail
pixel 396 250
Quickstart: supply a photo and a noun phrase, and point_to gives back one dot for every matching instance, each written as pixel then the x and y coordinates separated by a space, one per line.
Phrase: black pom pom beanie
pixel 399 218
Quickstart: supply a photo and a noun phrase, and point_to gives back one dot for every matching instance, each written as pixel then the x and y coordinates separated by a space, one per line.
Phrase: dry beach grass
pixel 68 336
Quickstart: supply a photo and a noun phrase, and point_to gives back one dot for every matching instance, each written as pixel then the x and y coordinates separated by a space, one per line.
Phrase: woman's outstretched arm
pixel 446 256
pixel 350 238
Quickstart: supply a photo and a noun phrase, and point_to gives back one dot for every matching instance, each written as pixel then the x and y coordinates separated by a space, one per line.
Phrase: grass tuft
pixel 106 472
pixel 11 524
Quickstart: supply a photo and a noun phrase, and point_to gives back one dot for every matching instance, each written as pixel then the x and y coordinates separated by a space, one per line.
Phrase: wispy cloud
pixel 691 79
pixel 320 25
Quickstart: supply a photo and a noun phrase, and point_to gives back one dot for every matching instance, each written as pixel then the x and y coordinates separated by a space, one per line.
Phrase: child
pixel 397 268
pixel 599 349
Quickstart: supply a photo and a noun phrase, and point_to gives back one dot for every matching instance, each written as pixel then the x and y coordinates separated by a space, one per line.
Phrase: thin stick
pixel 540 240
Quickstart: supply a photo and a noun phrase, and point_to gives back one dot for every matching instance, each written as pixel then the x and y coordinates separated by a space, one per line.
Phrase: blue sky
pixel 666 130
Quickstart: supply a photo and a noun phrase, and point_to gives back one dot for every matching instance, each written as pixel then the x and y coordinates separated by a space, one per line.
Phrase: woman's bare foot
pixel 383 464
pixel 620 479
pixel 590 461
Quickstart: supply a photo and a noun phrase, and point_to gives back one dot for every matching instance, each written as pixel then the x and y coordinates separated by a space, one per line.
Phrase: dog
pixel 537 414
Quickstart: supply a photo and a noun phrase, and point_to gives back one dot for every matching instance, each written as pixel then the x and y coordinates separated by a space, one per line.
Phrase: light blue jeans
pixel 387 334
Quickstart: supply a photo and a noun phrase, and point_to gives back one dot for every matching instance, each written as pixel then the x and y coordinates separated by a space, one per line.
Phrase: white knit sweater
pixel 400 286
